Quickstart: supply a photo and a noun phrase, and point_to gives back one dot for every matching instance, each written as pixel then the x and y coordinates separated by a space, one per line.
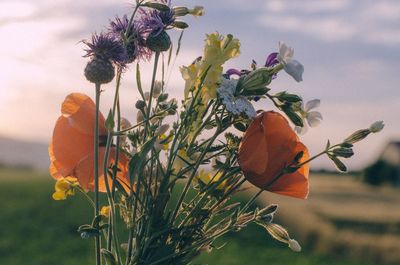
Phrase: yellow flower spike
pixel 65 187
pixel 105 211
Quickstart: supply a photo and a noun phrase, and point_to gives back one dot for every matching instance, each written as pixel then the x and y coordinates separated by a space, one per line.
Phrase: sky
pixel 350 50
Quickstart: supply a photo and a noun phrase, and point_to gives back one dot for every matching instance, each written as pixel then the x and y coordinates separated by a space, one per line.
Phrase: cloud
pixel 306 6
pixel 373 22
pixel 327 28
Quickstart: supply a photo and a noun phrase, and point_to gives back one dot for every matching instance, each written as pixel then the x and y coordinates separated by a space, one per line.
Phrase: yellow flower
pixel 162 142
pixel 105 211
pixel 180 161
pixel 64 187
pixel 190 75
pixel 219 48
pixel 211 178
pixel 217 51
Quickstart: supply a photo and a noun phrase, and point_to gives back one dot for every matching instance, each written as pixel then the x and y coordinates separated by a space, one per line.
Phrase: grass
pixel 35 230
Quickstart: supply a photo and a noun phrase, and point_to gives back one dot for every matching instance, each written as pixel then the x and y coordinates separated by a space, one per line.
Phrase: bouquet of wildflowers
pixel 169 186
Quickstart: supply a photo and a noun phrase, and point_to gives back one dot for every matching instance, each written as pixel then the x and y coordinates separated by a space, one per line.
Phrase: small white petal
pixel 312 104
pixel 314 118
pixel 294 245
pixel 376 126
pixel 295 69
pixel 285 52
pixel 301 130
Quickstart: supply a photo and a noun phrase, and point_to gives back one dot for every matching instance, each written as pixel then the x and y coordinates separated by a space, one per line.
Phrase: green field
pixel 35 230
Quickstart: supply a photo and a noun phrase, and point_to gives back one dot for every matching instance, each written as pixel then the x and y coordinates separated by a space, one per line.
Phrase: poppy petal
pixel 253 154
pixel 294 184
pixel 67 148
pixel 84 171
pixel 270 137
pixel 80 111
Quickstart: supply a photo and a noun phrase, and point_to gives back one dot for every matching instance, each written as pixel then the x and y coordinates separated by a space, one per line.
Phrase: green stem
pixel 189 181
pixel 96 170
pixel 153 80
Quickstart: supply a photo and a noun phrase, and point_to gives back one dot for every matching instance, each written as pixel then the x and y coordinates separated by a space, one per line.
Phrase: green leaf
pixel 110 124
pixel 240 126
pixel 328 145
pixel 138 160
pixel 294 117
pixel 284 96
pixel 109 257
pixel 180 25
pixel 298 156
pixel 158 6
pixel 339 164
pixel 347 145
pixel 343 152
pixel 139 82
pixel 256 92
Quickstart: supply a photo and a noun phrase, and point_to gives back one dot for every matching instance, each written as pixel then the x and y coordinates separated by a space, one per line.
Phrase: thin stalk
pixel 96 170
pixel 153 80
pixel 189 181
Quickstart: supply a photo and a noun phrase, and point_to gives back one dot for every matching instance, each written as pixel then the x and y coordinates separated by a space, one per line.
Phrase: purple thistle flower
pixel 105 46
pixel 132 36
pixel 155 21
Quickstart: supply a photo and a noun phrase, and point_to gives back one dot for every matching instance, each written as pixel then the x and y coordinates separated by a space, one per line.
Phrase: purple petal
pixel 272 59
pixel 233 71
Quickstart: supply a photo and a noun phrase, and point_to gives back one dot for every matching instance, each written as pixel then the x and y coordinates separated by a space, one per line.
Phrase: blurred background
pixel 351 53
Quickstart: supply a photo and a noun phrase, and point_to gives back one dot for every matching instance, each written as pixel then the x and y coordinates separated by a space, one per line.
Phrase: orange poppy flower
pixel 71 148
pixel 268 146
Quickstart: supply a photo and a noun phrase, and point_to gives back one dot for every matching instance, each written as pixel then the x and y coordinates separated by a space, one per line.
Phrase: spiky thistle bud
pixel 158 42
pixel 99 71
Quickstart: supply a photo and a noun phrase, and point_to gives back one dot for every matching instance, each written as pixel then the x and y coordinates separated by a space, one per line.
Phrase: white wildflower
pixel 313 118
pixel 235 105
pixel 291 66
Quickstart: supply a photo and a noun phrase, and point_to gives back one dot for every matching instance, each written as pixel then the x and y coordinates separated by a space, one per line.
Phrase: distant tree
pixel 381 172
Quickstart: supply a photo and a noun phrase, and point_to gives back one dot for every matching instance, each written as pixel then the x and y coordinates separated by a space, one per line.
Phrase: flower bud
pixel 140 104
pixel 180 11
pixel 197 11
pixel 158 42
pixel 139 117
pixel 162 97
pixel 357 136
pixel 376 126
pixel 157 89
pixel 257 79
pixel 99 71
